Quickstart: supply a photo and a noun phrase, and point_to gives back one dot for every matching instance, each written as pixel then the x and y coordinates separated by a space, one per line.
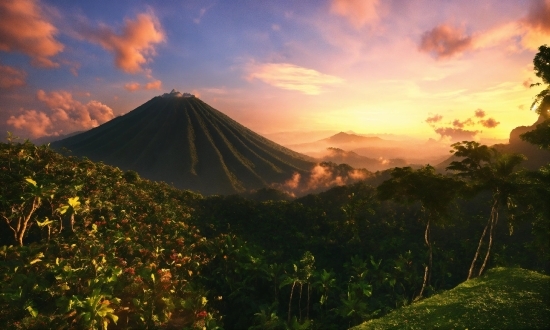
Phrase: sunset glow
pixel 426 69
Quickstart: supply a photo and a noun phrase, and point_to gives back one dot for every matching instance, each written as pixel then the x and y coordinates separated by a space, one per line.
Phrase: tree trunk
pixel 494 218
pixel 428 268
pixel 489 223
pixel 290 301
pixel 308 294
pixel 300 302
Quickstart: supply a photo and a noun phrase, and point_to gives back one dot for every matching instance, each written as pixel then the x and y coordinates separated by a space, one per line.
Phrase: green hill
pixel 505 298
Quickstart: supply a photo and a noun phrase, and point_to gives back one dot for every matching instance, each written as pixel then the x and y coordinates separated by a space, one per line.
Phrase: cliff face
pixel 536 157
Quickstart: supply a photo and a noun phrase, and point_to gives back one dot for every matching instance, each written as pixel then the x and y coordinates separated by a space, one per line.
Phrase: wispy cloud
pixel 358 12
pixel 11 77
pixel 292 77
pixel 135 86
pixel 529 32
pixel 24 28
pixel 134 46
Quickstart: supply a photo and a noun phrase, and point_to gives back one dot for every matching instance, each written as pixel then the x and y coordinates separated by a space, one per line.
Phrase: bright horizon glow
pixel 372 67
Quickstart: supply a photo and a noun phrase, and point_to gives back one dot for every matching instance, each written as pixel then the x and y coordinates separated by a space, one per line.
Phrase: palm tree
pixel 487 169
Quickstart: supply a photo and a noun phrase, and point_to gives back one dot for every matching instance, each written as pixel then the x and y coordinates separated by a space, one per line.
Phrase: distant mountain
pixel 351 138
pixel 353 159
pixel 179 139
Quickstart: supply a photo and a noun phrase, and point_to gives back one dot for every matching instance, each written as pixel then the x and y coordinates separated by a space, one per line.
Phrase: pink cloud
pixel 132 87
pixel 36 123
pixel 434 119
pixel 63 115
pixel 536 24
pixel 11 77
pixel 358 12
pixel 489 123
pixel 23 28
pixel 134 46
pixel 480 113
pixel 444 41
pixel 157 84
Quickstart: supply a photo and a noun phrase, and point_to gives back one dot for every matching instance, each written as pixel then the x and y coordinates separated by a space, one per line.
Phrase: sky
pixel 444 70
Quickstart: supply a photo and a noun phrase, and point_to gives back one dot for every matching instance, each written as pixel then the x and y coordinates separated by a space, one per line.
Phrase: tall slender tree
pixel 433 191
pixel 487 169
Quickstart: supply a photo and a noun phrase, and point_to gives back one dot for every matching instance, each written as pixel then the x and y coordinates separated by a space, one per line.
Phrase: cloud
pixel 134 46
pixel 292 77
pixel 36 123
pixel 444 41
pixel 480 113
pixel 527 83
pixel 358 12
pixel 321 177
pixel 11 77
pixel 157 84
pixel 63 115
pixel 134 86
pixel 23 28
pixel 456 134
pixel 489 123
pixel 434 119
pixel 536 24
pixel 460 124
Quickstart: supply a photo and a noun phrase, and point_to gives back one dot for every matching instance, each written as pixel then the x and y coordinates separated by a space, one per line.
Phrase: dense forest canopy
pixel 86 245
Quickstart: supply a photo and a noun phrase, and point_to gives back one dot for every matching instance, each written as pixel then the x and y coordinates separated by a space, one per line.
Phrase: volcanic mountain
pixel 179 139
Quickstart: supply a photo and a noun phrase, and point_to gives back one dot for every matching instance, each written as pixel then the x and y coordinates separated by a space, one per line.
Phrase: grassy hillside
pixel 505 298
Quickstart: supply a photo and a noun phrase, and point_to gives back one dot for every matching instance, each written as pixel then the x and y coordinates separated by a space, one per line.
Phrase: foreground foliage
pixel 104 249
pixel 505 298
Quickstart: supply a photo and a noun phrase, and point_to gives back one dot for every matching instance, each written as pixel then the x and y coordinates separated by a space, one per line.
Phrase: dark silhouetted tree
pixel 433 191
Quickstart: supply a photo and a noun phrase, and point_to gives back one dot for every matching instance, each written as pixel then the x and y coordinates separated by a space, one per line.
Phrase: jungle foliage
pixel 86 245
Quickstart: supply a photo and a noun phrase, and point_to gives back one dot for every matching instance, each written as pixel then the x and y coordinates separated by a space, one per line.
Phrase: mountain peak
pixel 175 93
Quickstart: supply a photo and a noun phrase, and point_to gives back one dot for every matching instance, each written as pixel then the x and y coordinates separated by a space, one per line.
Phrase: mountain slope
pixel 184 141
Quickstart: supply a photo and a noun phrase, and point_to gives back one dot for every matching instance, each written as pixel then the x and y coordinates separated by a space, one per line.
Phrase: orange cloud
pixel 132 87
pixel 292 77
pixel 64 115
pixel 358 12
pixel 157 84
pixel 444 41
pixel 36 123
pixel 11 77
pixel 134 46
pixel 24 29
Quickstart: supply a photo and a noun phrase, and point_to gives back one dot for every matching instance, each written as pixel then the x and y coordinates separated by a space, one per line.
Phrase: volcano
pixel 179 139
